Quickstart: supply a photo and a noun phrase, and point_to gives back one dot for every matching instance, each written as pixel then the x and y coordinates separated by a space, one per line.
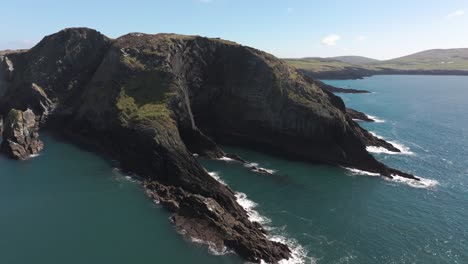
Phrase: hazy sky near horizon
pixel 294 28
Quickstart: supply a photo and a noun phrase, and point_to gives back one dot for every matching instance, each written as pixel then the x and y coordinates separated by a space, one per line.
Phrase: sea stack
pixel 20 135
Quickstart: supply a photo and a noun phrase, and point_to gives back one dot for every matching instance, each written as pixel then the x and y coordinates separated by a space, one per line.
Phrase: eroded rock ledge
pixel 151 101
pixel 205 219
pixel 356 115
pixel 20 135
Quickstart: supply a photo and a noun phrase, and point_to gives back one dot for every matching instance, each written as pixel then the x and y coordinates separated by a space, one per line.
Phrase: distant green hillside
pixel 357 60
pixel 318 64
pixel 438 61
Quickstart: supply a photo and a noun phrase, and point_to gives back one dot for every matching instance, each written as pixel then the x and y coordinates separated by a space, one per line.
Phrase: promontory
pixel 152 101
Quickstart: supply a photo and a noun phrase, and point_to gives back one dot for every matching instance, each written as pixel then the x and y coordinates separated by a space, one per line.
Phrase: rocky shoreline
pixel 152 101
pixel 359 73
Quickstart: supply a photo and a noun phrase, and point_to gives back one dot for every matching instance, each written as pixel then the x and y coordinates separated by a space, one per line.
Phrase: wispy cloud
pixel 290 10
pixel 331 40
pixel 205 1
pixel 456 13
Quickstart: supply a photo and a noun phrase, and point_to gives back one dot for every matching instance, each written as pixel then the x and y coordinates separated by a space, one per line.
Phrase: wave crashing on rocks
pixel 423 183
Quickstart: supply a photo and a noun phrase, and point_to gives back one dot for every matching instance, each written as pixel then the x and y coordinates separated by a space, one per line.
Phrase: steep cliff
pixel 151 101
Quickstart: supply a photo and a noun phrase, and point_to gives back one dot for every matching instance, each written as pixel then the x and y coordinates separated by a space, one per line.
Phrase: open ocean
pixel 69 205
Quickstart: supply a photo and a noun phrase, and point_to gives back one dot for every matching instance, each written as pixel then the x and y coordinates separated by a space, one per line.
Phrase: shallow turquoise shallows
pixel 70 206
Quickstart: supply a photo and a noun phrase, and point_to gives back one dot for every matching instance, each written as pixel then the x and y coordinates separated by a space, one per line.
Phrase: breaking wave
pixel 376 119
pixel 224 158
pixel 249 206
pixel 404 150
pixel 215 175
pixel 255 167
pixel 353 171
pixel 32 156
pixel 298 252
pixel 212 247
pixel 381 150
pixel 423 183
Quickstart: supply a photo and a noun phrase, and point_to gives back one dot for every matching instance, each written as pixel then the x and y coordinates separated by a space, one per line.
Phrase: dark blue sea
pixel 69 205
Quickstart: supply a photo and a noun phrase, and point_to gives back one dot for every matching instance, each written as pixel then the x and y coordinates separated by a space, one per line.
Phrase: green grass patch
pixel 144 99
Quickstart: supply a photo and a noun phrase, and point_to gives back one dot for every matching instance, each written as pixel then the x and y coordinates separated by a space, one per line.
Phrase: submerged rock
pixel 20 135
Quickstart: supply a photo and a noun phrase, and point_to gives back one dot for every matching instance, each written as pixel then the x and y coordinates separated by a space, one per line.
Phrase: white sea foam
pixel 216 176
pixel 298 252
pixel 259 169
pixel 33 156
pixel 376 119
pixel 422 183
pixel 122 176
pixel 374 149
pixel 375 135
pixel 250 165
pixel 249 206
pixel 212 248
pixel 224 158
pixel 404 150
pixel 361 172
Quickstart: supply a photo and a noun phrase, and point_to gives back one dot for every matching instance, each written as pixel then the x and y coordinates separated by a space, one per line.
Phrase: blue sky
pixel 295 28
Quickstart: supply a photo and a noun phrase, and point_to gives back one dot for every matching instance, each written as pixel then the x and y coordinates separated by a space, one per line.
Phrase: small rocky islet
pixel 152 101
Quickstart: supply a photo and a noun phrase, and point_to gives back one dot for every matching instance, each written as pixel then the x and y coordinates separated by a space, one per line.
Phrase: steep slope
pixel 151 101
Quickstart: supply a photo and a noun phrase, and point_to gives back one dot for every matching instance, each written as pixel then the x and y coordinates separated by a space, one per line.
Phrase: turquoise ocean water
pixel 69 205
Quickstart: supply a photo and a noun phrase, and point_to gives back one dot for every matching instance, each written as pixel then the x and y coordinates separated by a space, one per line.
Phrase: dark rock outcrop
pixel 342 90
pixel 356 115
pixel 53 72
pixel 151 101
pixel 205 219
pixel 20 135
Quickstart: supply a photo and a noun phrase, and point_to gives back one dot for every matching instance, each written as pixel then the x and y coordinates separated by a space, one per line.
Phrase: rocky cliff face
pixel 152 101
pixel 20 135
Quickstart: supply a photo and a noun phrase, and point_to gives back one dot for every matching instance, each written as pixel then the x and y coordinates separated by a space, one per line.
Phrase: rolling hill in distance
pixel 436 61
